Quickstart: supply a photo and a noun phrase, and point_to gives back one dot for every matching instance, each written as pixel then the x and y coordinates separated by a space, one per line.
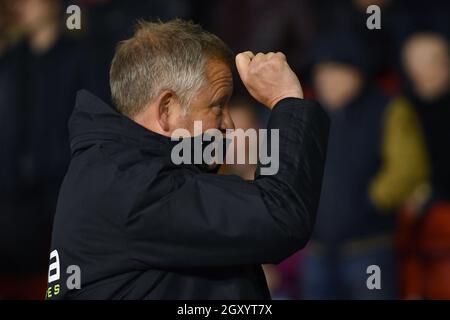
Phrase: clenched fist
pixel 268 77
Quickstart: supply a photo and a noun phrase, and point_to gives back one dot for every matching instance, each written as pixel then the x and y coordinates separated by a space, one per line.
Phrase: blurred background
pixel 386 189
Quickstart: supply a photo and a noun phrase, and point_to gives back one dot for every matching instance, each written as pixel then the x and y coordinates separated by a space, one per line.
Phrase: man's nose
pixel 227 122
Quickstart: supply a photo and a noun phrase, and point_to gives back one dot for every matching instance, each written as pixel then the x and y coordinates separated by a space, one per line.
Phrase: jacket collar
pixel 93 121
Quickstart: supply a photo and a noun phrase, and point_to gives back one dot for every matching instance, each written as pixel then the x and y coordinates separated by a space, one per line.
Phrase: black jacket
pixel 140 227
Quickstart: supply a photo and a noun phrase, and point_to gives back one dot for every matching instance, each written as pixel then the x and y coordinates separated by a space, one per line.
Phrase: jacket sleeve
pixel 405 164
pixel 215 220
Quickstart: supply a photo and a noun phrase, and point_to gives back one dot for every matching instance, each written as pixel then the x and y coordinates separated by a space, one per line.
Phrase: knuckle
pixel 280 55
pixel 274 62
pixel 253 71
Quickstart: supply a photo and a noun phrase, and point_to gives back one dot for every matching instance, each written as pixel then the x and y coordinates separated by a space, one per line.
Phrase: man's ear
pixel 166 98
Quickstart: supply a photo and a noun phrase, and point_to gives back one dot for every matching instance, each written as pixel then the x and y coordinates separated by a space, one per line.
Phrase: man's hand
pixel 268 77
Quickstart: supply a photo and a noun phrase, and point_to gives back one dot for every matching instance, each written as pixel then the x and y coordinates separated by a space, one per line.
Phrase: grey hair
pixel 163 56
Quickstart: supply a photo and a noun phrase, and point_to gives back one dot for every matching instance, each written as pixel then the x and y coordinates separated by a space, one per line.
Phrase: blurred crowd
pixel 386 190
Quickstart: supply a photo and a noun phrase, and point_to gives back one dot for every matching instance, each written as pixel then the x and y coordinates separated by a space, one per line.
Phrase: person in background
pixel 281 278
pixel 42 75
pixel 376 158
pixel 427 63
pixel 424 232
pixel 244 115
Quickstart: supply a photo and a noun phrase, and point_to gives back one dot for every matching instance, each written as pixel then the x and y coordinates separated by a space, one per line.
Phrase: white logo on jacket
pixel 54 274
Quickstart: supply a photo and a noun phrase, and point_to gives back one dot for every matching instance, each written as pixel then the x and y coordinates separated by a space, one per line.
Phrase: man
pixel 376 158
pixel 136 225
pixel 427 64
pixel 425 227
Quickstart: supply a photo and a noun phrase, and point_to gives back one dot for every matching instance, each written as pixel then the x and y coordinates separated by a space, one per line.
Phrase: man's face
pixel 211 104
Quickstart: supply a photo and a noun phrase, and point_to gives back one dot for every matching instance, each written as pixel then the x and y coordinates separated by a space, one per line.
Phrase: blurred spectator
pixel 408 16
pixel 425 227
pixel 38 87
pixel 426 59
pixel 376 157
pixel 282 278
pixel 243 113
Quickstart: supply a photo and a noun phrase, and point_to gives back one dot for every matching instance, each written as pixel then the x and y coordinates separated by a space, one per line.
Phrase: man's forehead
pixel 220 79
pixel 217 69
